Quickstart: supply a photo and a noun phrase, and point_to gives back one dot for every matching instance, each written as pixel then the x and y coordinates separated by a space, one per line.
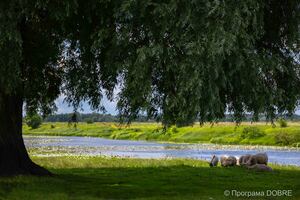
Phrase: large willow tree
pixel 177 61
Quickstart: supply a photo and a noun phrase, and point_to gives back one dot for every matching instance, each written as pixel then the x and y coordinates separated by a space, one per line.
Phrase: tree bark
pixel 14 159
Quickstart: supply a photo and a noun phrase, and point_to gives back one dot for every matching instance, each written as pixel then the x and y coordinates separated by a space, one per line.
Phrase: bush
pixel 34 121
pixel 296 144
pixel 170 130
pixel 52 126
pixel 282 123
pixel 174 129
pixel 252 133
pixel 283 138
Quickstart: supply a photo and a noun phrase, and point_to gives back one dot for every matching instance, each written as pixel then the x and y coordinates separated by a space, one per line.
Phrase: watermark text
pixel 262 193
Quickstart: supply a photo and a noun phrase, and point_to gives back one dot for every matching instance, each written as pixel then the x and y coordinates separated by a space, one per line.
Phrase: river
pixel 59 146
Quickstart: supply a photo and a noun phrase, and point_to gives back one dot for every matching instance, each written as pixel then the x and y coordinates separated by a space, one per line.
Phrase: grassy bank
pixel 119 178
pixel 222 133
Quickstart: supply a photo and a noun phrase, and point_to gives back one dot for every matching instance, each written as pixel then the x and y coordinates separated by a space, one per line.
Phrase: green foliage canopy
pixel 33 120
pixel 174 60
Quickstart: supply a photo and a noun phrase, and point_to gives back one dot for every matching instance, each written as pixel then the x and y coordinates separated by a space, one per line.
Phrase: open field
pixel 221 133
pixel 122 178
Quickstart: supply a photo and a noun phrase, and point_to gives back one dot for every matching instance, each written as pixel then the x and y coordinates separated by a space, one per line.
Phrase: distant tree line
pixel 97 117
pixel 89 117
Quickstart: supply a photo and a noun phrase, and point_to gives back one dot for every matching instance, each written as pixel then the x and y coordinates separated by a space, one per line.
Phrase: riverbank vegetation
pixel 221 133
pixel 124 178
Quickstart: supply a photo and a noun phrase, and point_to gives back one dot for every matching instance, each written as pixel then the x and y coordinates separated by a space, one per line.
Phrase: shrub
pixel 174 129
pixel 252 133
pixel 282 123
pixel 34 121
pixel 170 130
pixel 296 144
pixel 52 126
pixel 283 138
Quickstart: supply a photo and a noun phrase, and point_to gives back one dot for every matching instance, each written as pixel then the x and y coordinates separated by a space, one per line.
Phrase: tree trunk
pixel 14 159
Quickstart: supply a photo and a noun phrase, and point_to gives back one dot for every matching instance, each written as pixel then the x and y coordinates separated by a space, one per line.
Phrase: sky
pixel 62 107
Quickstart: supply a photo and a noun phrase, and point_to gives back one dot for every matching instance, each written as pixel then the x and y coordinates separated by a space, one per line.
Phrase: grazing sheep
pixel 228 161
pixel 244 159
pixel 214 161
pixel 260 158
pixel 260 167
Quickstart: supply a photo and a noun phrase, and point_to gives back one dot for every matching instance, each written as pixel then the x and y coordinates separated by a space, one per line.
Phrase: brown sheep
pixel 214 161
pixel 228 161
pixel 244 159
pixel 260 167
pixel 260 158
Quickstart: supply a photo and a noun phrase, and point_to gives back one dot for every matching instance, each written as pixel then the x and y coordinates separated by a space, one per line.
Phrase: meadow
pixel 100 177
pixel 124 178
pixel 221 133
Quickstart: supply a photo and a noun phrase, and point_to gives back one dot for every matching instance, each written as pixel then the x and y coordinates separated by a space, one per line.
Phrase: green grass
pixel 222 133
pixel 124 178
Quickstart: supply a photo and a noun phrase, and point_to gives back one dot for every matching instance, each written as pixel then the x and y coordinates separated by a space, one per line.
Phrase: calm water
pixel 47 146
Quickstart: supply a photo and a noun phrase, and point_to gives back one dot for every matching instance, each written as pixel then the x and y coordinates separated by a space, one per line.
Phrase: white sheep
pixel 214 161
pixel 228 161
pixel 260 158
pixel 244 159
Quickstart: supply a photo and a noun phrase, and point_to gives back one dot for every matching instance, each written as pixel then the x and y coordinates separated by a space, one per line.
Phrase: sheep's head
pixel 251 161
pixel 211 161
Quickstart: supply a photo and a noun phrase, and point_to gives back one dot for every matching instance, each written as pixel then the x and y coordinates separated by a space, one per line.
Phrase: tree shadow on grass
pixel 173 182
